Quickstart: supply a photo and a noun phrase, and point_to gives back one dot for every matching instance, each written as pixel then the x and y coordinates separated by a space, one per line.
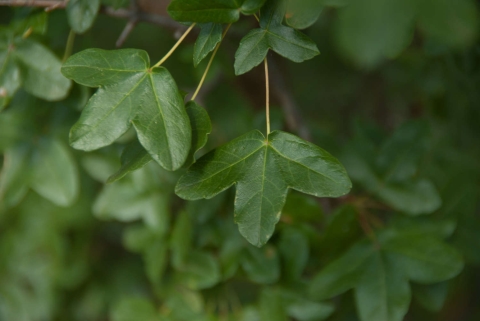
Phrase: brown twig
pixel 34 3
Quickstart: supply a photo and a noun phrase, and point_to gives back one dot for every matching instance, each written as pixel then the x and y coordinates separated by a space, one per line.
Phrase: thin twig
pixel 125 33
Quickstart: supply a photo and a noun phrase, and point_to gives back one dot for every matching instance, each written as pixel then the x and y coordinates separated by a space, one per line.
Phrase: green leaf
pixel 302 14
pixel 383 292
pixel 200 271
pixel 380 272
pixel 431 297
pixel 217 11
pixel 294 249
pixel 15 175
pixel 462 29
pixel 263 170
pixel 55 173
pixel 10 78
pixel 82 13
pixel 272 306
pixel 130 93
pixel 37 22
pixel 284 40
pixel 424 259
pixel 261 265
pixel 414 198
pixel 116 4
pixel 209 37
pixel 181 239
pixel 134 156
pixel 40 71
pixel 368 31
pixel 134 309
pixel 252 6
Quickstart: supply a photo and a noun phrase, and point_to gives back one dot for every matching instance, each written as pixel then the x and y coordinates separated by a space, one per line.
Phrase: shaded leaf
pixel 263 170
pixel 284 40
pixel 261 265
pixel 302 14
pixel 82 13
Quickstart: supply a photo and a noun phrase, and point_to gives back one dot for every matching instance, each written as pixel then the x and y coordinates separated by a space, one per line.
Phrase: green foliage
pixel 101 232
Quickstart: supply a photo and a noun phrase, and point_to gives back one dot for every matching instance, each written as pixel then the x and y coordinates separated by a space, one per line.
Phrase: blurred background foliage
pixel 395 95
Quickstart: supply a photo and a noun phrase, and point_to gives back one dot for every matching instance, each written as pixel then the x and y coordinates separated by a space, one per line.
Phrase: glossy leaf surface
pixel 263 170
pixel 130 93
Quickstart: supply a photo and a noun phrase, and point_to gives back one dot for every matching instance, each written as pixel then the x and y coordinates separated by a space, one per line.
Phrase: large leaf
pixel 284 40
pixel 130 93
pixel 380 272
pixel 82 13
pixel 134 156
pixel 263 170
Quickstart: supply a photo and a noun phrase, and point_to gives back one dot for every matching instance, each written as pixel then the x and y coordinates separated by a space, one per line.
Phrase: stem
pixel 267 85
pixel 209 64
pixel 175 46
pixel 69 47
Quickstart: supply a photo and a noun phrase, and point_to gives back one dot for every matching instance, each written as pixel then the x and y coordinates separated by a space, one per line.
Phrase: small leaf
pixel 431 297
pixel 209 37
pixel 10 78
pixel 294 249
pixel 201 128
pixel 131 93
pixel 264 170
pixel 54 173
pixel 181 239
pixel 252 6
pixel 82 13
pixel 15 175
pixel 284 40
pixel 216 11
pixel 200 271
pixel 134 157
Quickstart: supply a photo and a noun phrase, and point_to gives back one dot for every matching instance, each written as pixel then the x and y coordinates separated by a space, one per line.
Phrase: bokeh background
pixel 395 83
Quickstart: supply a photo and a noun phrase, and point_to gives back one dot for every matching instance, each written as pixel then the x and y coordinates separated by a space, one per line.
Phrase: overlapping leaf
pixel 39 76
pixel 302 14
pixel 130 93
pixel 284 40
pixel 380 273
pixel 135 156
pixel 263 170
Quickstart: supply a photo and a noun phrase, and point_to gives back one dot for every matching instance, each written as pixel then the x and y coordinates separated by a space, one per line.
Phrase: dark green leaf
pixel 200 271
pixel 82 13
pixel 272 306
pixel 130 93
pixel 432 297
pixel 134 157
pixel 209 37
pixel 285 41
pixel 181 239
pixel 217 11
pixel 263 171
pixel 201 128
pixel 116 4
pixel 294 249
pixel 134 309
pixel 252 6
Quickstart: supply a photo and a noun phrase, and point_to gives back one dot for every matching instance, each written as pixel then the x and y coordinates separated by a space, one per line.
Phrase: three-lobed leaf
pixel 272 34
pixel 263 170
pixel 130 93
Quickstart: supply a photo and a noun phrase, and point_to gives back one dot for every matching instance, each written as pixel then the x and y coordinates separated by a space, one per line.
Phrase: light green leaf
pixel 200 271
pixel 261 265
pixel 181 239
pixel 302 14
pixel 134 309
pixel 272 307
pixel 217 11
pixel 131 93
pixel 383 292
pixel 40 70
pixel 263 170
pixel 10 78
pixel 368 31
pixel 55 173
pixel 82 13
pixel 15 175
pixel 285 41
pixel 209 37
